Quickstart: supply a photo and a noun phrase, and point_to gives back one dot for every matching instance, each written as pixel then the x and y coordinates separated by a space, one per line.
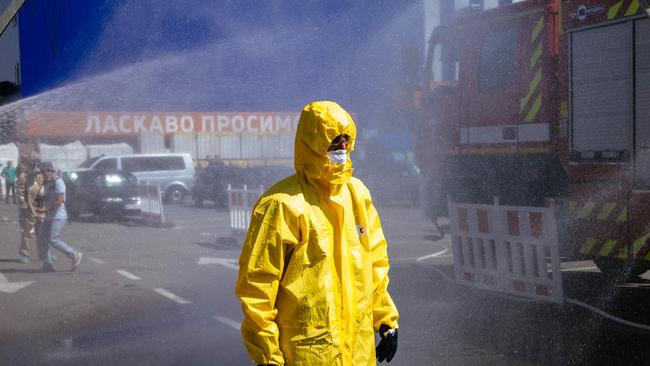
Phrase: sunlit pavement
pixel 139 297
pixel 164 296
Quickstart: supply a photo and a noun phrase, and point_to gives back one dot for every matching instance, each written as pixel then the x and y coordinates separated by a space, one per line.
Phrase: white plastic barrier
pixel 151 207
pixel 240 206
pixel 66 157
pixel 7 152
pixel 511 249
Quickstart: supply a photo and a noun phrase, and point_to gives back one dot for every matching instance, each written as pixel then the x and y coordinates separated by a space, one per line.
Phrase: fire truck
pixel 546 102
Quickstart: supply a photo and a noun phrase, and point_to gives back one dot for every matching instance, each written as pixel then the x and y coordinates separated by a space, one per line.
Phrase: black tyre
pixel 220 199
pixel 75 208
pixel 74 214
pixel 621 269
pixel 175 195
pixel 98 215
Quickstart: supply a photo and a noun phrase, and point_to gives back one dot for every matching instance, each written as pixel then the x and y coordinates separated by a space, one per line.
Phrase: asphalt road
pixel 164 296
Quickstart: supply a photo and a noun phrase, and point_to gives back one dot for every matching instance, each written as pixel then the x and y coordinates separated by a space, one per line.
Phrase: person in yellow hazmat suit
pixel 313 271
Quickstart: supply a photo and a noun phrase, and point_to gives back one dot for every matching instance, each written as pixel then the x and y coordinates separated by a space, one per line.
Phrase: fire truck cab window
pixel 434 63
pixel 498 58
pixel 600 93
pixel 450 62
pixel 444 64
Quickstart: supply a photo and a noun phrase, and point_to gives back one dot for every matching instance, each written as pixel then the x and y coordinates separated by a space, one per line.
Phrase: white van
pixel 174 172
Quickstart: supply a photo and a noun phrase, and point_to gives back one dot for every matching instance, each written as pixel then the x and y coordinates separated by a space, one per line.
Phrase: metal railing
pixel 151 207
pixel 240 207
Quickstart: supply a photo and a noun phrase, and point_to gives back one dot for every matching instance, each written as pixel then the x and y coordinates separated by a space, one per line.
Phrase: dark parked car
pixel 211 183
pixel 104 193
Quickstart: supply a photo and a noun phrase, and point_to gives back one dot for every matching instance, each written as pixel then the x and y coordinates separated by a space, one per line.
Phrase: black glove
pixel 388 345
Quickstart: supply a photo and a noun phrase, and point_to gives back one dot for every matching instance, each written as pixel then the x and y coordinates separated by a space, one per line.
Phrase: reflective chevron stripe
pixel 613 10
pixel 607 248
pixel 526 108
pixel 606 210
pixel 622 217
pixel 537 78
pixel 588 246
pixel 586 211
pixel 631 9
pixel 538 29
pixel 534 59
pixel 572 205
pixel 534 109
pixel 639 244
pixel 616 249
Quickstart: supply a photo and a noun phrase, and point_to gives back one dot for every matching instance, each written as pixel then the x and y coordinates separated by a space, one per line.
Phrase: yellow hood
pixel 319 123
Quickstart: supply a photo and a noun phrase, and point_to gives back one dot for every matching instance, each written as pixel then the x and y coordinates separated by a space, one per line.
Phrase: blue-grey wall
pixel 220 55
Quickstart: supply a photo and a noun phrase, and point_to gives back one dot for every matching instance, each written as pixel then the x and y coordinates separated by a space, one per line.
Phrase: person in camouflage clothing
pixel 27 205
pixel 36 193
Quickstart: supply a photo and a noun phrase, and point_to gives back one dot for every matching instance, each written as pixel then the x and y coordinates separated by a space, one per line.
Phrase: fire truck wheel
pixel 620 269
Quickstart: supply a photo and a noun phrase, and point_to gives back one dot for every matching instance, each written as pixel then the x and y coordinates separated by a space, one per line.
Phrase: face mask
pixel 338 156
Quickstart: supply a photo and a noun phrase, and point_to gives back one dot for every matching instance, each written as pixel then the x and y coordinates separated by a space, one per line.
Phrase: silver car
pixel 173 172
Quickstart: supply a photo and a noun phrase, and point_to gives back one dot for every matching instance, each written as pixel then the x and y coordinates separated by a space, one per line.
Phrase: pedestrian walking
pixel 9 174
pixel 26 173
pixel 55 218
pixel 36 192
pixel 313 271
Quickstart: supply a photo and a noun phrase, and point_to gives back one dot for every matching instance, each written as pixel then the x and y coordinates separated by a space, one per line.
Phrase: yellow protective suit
pixel 313 272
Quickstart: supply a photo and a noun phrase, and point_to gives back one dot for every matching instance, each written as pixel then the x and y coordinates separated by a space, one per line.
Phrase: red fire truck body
pixel 546 101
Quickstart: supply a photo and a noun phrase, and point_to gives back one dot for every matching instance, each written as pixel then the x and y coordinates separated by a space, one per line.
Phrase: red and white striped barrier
pixel 511 249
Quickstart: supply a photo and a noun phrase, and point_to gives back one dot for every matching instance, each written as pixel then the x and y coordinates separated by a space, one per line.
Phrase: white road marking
pixel 227 321
pixel 9 287
pixel 99 261
pixel 128 275
pixel 578 269
pixel 436 254
pixel 6 220
pixel 171 296
pixel 226 262
pixel 204 227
